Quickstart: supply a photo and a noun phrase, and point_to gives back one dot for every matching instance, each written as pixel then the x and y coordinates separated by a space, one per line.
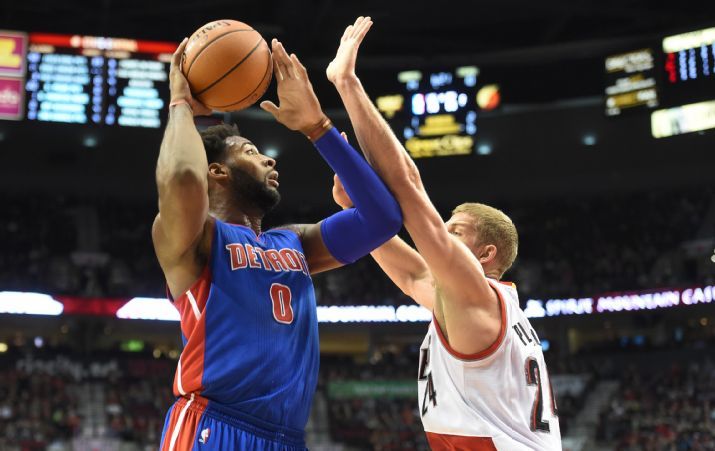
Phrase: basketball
pixel 228 65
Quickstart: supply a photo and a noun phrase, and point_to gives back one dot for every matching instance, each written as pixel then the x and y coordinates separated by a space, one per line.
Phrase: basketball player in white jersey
pixel 482 380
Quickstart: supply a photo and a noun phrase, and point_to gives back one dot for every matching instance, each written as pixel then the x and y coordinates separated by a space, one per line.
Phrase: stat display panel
pixel 630 81
pixel 96 80
pixel 678 71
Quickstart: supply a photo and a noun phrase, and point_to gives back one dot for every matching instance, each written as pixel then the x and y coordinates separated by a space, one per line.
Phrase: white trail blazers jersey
pixel 500 399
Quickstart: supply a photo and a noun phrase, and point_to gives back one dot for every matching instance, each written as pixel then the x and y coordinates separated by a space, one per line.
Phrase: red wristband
pixel 181 102
pixel 319 130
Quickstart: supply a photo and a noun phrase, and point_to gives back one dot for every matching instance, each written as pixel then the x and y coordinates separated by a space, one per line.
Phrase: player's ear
pixel 487 254
pixel 217 171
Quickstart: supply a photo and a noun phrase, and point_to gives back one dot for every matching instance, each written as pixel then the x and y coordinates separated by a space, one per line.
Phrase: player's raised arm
pixel 402 264
pixel 455 268
pixel 350 234
pixel 180 174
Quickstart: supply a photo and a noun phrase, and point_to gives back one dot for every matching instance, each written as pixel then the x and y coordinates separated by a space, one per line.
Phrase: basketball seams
pixel 188 71
pixel 266 74
pixel 236 66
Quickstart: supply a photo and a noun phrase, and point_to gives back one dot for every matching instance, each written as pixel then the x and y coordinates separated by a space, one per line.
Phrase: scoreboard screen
pixel 689 67
pixel 435 112
pixel 630 81
pixel 84 79
pixel 95 80
pixel 683 73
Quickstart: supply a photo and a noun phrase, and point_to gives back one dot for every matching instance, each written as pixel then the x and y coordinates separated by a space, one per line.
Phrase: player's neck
pixel 234 213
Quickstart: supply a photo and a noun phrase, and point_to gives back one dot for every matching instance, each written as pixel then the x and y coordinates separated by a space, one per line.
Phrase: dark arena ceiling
pixel 402 28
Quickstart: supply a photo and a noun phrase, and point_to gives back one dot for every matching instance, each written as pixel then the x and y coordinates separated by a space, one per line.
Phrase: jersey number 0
pixel 281 298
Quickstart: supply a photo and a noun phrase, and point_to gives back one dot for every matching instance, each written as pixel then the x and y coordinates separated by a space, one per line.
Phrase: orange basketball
pixel 228 65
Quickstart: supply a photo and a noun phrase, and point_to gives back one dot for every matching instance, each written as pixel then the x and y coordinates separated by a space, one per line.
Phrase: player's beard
pixel 253 192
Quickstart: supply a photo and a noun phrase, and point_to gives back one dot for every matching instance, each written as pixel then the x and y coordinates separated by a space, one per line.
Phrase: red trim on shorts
pixel 446 442
pixel 189 425
pixel 194 330
pixel 491 349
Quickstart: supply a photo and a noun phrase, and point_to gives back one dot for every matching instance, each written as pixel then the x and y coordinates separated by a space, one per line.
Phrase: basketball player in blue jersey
pixel 247 374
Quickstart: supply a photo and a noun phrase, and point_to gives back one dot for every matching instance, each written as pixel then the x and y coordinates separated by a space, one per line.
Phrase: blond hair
pixel 493 227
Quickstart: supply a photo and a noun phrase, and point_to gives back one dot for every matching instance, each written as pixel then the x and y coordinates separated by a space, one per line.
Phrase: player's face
pixel 253 175
pixel 464 228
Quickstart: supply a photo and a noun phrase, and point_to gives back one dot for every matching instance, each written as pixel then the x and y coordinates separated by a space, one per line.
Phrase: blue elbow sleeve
pixel 376 217
pixel 348 236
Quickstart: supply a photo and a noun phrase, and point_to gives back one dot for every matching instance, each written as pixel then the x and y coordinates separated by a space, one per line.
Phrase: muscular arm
pixel 469 300
pixel 181 179
pixel 407 269
pixel 350 234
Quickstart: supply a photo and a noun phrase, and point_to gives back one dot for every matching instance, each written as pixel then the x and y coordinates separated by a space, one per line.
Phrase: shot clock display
pixel 435 112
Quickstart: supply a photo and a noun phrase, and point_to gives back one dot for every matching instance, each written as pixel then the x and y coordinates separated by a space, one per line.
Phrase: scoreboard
pixel 678 71
pixel 689 66
pixel 630 81
pixel 91 80
pixel 435 112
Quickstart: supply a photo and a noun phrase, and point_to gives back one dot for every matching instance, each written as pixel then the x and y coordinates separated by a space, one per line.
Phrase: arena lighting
pixel 618 302
pixel 90 141
pixel 373 314
pixel 149 308
pixel 484 149
pixel 589 140
pixel 271 152
pixel 162 309
pixel 694 117
pixel 21 303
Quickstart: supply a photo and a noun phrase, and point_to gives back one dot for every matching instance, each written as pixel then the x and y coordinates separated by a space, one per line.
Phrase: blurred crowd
pixel 567 247
pixel 383 421
pixel 55 401
pixel 669 408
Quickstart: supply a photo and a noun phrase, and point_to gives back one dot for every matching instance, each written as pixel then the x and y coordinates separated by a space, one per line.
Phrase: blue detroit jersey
pixel 250 327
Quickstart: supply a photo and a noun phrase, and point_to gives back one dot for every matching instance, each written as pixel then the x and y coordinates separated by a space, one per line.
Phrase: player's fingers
pixel 345 33
pixel 300 70
pixel 348 32
pixel 362 31
pixel 345 137
pixel 270 107
pixel 281 57
pixel 356 26
pixel 176 57
pixel 276 67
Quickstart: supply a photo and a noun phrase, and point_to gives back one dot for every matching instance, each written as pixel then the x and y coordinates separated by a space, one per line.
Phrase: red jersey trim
pixel 190 368
pixel 488 351
pixel 205 275
pixel 508 284
pixel 446 442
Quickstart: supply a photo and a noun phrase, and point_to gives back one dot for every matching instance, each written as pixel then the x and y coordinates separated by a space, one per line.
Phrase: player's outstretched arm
pixel 348 235
pixel 454 267
pixel 181 176
pixel 402 264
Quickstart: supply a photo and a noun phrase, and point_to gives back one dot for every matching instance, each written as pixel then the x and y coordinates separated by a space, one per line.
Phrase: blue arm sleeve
pixel 376 216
